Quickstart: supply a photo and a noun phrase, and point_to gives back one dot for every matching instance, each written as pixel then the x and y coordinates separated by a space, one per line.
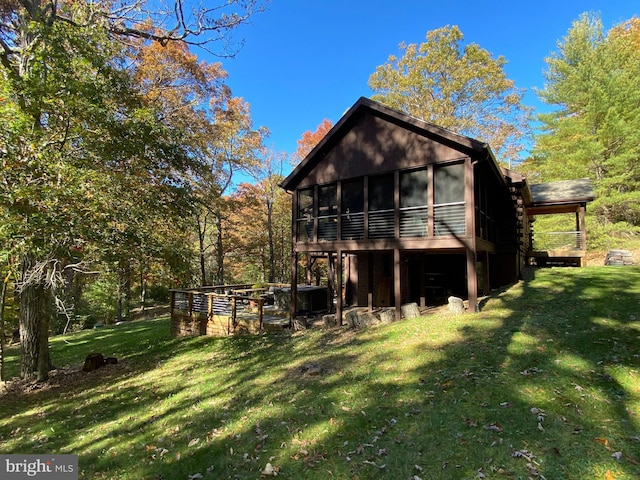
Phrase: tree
pixel 71 118
pixel 593 81
pixel 268 191
pixel 232 148
pixel 260 233
pixel 309 140
pixel 459 88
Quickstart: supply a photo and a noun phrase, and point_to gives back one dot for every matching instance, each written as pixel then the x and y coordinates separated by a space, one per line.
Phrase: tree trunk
pixel 202 231
pixel 219 251
pixel 272 253
pixel 3 296
pixel 35 360
pixel 143 289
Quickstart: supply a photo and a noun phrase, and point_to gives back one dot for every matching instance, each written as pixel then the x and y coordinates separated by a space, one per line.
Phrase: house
pixel 406 211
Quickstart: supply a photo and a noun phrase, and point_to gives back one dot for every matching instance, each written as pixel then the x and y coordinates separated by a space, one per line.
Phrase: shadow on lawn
pixel 535 394
pixel 519 390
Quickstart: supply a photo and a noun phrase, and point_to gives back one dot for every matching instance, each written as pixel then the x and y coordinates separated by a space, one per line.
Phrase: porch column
pixel 470 222
pixel 583 227
pixel 583 233
pixel 293 302
pixel 397 294
pixel 331 282
pixel 423 290
pixel 472 280
pixel 370 281
pixel 339 287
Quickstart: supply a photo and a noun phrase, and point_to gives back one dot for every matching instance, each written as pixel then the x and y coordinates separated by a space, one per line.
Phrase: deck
pixel 224 310
pixel 558 249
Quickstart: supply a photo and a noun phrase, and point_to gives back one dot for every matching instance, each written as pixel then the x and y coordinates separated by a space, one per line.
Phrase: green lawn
pixel 543 383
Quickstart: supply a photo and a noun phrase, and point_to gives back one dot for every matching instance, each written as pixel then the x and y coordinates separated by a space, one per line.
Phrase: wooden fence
pixel 217 310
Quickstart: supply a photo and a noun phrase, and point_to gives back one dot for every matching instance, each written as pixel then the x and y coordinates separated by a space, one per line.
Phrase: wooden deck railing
pixel 571 240
pixel 205 303
pixel 223 308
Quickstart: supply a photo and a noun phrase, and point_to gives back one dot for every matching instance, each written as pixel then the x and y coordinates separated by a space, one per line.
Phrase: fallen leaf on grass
pixel 494 427
pixel 526 454
pixel 532 470
pixel 608 475
pixel 193 442
pixel 471 423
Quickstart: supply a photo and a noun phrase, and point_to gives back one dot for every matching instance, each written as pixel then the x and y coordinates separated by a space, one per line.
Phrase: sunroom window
pixel 449 207
pixel 414 203
pixel 381 206
pixel 327 213
pixel 305 218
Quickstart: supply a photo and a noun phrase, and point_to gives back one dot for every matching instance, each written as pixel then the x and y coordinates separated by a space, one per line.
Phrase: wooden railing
pixel 212 301
pixel 571 240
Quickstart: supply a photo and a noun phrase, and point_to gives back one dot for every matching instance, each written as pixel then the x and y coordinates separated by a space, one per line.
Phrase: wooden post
pixel 233 313
pixel 430 199
pixel 583 234
pixel 397 293
pixel 293 307
pixel 339 289
pixel 583 227
pixel 396 204
pixel 370 281
pixel 423 293
pixel 331 282
pixel 260 315
pixel 472 280
pixel 470 222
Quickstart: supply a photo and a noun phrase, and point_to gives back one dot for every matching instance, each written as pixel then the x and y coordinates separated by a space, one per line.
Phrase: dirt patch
pixel 60 380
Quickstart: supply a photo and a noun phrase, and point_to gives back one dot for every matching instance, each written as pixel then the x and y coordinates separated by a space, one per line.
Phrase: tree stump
pixel 299 325
pixel 352 318
pixel 329 320
pixel 387 315
pixel 456 305
pixel 410 310
pixel 93 362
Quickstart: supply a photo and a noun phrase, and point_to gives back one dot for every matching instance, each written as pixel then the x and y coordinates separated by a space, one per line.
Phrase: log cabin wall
pixel 397 192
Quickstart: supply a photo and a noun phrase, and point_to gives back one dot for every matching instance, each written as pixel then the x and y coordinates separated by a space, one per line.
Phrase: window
pixel 305 217
pixel 449 207
pixel 327 212
pixel 352 214
pixel 414 200
pixel 381 206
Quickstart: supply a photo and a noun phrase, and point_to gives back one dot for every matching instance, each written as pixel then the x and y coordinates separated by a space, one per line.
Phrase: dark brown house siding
pixel 373 146
pixel 406 211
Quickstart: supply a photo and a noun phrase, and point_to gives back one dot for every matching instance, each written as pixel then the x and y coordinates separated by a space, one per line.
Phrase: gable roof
pixel 470 146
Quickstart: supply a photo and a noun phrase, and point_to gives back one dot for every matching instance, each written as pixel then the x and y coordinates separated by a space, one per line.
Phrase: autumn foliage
pixel 310 139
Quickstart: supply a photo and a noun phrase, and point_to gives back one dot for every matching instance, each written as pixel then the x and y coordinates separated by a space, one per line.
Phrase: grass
pixel 543 383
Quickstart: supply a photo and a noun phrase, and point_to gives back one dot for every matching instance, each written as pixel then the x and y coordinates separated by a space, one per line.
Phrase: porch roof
pixel 562 196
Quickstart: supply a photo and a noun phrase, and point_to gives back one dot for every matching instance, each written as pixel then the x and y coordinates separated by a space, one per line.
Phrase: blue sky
pixel 304 61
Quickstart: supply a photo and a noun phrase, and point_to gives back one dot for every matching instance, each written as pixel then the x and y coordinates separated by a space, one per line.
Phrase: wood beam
pixel 397 293
pixel 340 288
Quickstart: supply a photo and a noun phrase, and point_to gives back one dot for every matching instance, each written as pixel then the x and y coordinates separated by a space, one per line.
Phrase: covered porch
pixel 567 202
